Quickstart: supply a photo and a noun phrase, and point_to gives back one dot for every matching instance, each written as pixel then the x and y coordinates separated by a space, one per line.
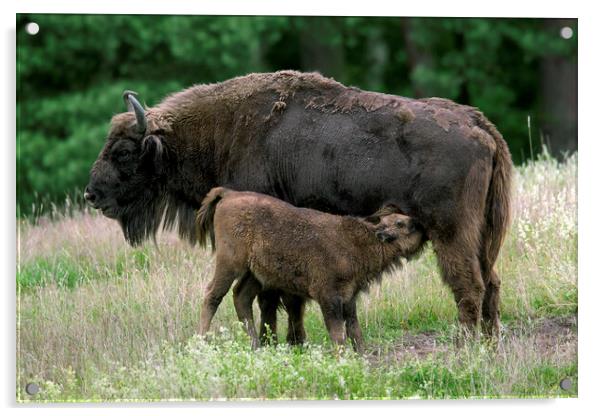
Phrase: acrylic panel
pixel 302 208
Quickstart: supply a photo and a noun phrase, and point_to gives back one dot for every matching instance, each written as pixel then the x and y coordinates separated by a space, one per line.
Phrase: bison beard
pixel 142 219
pixel 316 143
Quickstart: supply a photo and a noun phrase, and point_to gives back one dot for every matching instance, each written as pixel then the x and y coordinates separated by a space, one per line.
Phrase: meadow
pixel 98 320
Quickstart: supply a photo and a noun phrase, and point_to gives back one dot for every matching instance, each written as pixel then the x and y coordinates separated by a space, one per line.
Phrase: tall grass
pixel 98 320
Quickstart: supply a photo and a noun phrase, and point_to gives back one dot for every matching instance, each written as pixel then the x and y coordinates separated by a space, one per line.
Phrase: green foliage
pixel 71 75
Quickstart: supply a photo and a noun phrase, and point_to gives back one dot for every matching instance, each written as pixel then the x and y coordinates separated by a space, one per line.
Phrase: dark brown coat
pixel 301 251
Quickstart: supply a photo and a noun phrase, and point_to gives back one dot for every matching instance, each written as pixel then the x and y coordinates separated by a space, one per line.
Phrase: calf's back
pixel 295 249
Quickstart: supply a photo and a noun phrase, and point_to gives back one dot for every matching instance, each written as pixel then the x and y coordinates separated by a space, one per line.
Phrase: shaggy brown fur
pixel 316 143
pixel 301 251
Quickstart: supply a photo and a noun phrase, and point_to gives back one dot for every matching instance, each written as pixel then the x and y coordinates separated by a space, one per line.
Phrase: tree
pixel 70 76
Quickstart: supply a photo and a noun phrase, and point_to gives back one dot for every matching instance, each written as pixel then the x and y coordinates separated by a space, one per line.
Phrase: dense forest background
pixel 70 75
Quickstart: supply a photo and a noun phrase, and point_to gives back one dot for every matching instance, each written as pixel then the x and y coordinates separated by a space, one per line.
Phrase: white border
pixel 508 8
pixel 590 151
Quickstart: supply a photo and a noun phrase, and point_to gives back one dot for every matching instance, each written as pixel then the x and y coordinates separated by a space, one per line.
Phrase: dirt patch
pixel 409 345
pixel 555 335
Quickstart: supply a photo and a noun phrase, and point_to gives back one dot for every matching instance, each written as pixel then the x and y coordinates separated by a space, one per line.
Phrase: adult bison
pixel 316 143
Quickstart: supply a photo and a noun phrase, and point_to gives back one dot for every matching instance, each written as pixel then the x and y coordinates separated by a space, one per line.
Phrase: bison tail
pixel 204 218
pixel 499 198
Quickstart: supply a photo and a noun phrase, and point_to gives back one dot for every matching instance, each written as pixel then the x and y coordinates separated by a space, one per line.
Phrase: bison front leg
pixel 245 292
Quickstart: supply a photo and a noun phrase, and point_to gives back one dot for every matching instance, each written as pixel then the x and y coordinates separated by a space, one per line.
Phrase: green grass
pixel 98 320
pixel 227 368
pixel 64 270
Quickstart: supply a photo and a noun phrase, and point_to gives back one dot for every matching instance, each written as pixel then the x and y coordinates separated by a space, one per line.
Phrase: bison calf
pixel 301 251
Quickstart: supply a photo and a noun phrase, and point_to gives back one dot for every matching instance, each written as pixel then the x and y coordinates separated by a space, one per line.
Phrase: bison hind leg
pixel 491 308
pixel 460 251
pixel 461 271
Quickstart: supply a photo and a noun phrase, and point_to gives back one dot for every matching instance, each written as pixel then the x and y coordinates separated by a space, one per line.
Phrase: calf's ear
pixel 373 219
pixel 152 150
pixel 383 212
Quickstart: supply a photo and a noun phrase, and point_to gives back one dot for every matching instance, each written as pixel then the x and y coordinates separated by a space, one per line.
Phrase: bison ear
pixel 152 150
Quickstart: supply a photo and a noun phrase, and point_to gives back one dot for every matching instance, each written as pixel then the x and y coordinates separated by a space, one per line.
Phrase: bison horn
pixel 134 105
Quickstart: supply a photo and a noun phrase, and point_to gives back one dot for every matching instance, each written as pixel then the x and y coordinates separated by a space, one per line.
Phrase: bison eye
pixel 400 223
pixel 123 154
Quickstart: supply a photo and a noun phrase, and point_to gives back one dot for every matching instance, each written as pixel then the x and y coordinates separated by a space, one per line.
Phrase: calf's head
pixel 125 179
pixel 391 226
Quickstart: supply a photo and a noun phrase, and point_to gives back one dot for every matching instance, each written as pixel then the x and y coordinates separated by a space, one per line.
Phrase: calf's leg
pixel 216 290
pixel 332 309
pixel 268 305
pixel 245 292
pixel 295 308
pixel 352 326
